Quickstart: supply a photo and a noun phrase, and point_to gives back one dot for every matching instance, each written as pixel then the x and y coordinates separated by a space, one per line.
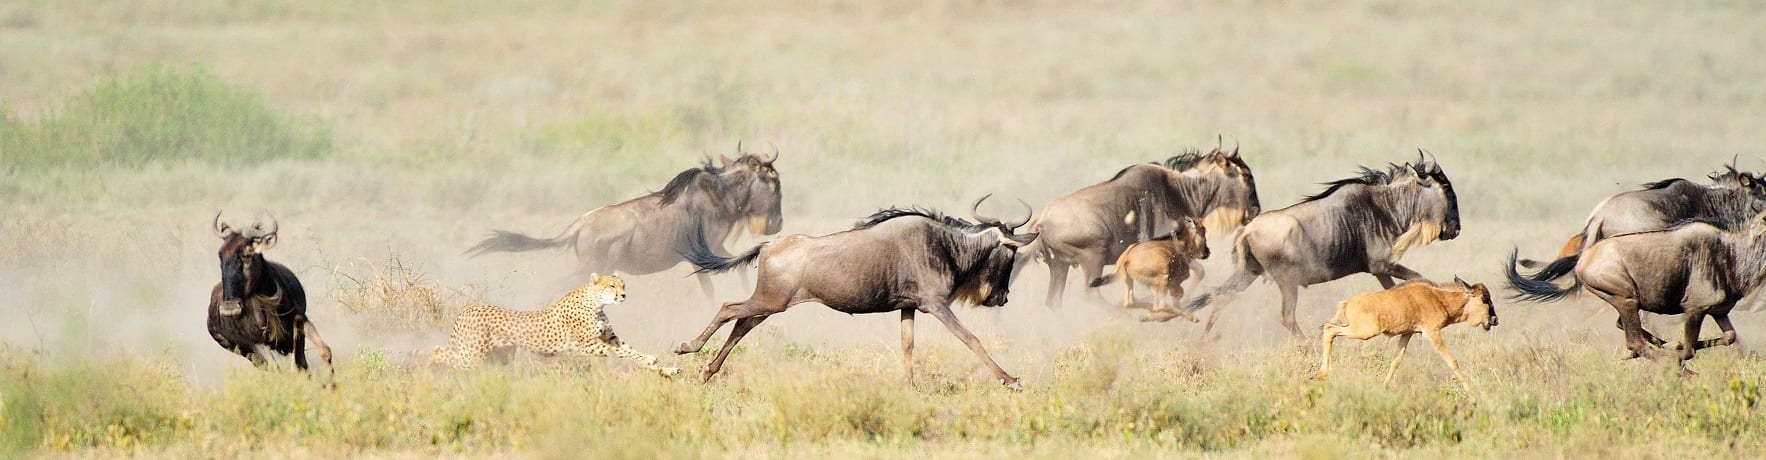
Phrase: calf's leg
pixel 1403 344
pixel 1452 363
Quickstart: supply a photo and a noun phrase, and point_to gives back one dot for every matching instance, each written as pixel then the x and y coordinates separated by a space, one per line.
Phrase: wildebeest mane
pixel 1662 184
pixel 679 185
pixel 891 213
pixel 1184 161
pixel 1365 176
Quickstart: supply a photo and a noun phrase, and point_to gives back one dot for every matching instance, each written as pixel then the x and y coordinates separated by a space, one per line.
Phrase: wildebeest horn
pixel 1419 157
pixel 1013 225
pixel 1235 148
pixel 975 211
pixel 220 228
pixel 738 147
pixel 775 153
pixel 273 225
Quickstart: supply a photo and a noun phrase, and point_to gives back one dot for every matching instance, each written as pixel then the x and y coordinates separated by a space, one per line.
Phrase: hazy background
pixel 395 134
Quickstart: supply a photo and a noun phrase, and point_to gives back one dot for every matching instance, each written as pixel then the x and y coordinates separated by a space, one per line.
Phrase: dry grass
pixel 448 119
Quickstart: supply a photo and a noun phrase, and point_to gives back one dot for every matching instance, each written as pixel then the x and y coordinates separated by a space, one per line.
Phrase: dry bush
pixel 399 295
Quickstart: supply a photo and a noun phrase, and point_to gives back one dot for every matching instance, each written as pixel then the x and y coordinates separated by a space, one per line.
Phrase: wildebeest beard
pixel 244 278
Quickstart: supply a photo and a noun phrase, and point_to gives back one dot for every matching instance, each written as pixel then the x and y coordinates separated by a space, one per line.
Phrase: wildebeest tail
pixel 507 241
pixel 1248 270
pixel 1106 279
pixel 698 252
pixel 1534 290
pixel 1556 269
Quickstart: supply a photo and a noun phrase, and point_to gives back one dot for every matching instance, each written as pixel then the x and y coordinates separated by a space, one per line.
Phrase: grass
pixel 389 137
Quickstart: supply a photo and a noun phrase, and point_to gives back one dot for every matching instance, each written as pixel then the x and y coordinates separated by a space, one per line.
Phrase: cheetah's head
pixel 607 289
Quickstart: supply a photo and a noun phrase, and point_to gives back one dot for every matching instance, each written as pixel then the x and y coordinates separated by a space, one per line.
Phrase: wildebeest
pixel 259 306
pixel 1162 264
pixel 1731 198
pixel 643 235
pixel 905 260
pixel 1362 224
pixel 1092 226
pixel 1696 268
pixel 1411 308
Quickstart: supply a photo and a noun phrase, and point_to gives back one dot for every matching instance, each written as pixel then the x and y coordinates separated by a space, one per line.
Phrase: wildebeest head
pixel 1231 181
pixel 1191 237
pixel 752 186
pixel 242 260
pixel 990 279
pixel 1752 186
pixel 1478 305
pixel 1431 178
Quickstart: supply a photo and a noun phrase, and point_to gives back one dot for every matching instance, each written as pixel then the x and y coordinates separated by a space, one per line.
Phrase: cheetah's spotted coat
pixel 574 324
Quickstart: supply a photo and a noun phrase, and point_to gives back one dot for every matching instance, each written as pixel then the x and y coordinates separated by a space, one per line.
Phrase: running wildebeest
pixel 1729 201
pixel 1091 227
pixel 1696 268
pixel 259 306
pixel 1362 224
pixel 1409 309
pixel 1162 264
pixel 905 260
pixel 643 235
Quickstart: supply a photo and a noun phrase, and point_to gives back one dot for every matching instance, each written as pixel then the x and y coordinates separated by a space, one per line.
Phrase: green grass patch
pixel 160 113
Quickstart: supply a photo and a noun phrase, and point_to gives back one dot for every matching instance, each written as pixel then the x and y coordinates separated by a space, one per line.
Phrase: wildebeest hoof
pixel 1013 384
pixel 705 377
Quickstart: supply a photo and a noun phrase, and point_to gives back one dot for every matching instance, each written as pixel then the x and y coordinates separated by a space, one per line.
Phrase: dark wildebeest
pixel 895 260
pixel 1091 227
pixel 1732 198
pixel 1696 268
pixel 259 306
pixel 1362 224
pixel 643 235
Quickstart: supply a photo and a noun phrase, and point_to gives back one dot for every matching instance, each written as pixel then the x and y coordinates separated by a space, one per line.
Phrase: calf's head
pixel 1478 306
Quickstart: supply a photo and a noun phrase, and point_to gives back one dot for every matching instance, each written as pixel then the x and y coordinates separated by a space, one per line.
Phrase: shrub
pixel 160 113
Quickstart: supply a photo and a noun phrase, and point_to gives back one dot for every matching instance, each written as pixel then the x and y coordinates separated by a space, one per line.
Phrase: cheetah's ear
pixel 594 277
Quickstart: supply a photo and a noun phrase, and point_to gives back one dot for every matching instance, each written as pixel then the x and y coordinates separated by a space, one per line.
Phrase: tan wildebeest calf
pixel 1408 309
pixel 1163 264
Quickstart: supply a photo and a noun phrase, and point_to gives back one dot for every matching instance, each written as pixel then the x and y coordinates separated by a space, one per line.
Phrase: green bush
pixel 160 113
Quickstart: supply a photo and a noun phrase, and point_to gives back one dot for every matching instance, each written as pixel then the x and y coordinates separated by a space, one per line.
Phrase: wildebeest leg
pixel 1690 342
pixel 311 333
pixel 740 329
pixel 1057 282
pixel 1628 322
pixel 705 285
pixel 944 315
pixel 1386 273
pixel 1222 295
pixel 1091 267
pixel 1290 298
pixel 730 311
pixel 1403 344
pixel 907 346
pixel 1647 336
pixel 1728 337
pixel 1452 363
pixel 300 346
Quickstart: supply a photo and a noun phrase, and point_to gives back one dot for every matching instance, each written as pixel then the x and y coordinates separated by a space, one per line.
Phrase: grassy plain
pixel 388 136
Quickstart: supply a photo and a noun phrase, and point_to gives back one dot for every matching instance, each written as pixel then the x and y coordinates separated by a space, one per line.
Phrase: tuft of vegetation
pixel 398 295
pixel 160 113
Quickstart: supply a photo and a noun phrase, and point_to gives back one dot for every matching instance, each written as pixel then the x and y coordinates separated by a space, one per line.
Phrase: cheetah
pixel 575 323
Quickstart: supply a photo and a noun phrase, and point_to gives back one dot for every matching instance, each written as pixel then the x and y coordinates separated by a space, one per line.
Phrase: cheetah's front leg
pixel 617 348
